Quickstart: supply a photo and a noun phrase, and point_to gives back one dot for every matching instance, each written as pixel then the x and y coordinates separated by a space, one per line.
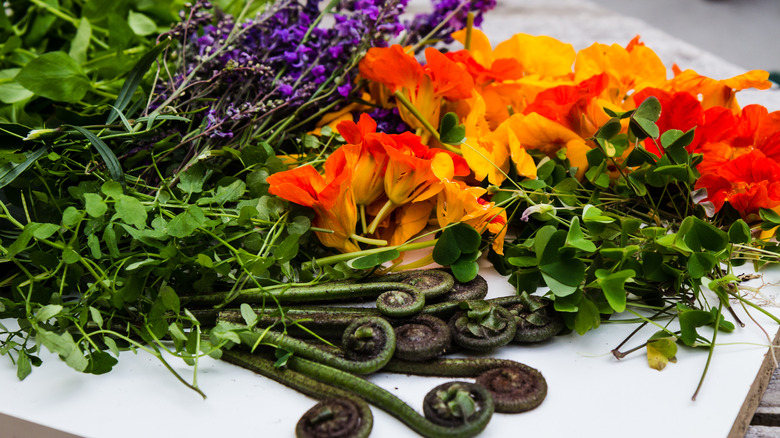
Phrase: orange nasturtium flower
pixel 458 202
pixel 330 197
pixel 748 182
pixel 717 92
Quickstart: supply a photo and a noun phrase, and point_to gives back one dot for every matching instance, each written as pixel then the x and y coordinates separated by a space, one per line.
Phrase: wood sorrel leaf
pixel 450 132
pixel 56 76
pixel 613 286
pixel 690 320
pixel 661 349
pixel 576 238
pixel 739 232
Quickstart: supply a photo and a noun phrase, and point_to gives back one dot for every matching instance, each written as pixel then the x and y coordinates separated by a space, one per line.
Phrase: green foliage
pixel 458 248
pixel 631 236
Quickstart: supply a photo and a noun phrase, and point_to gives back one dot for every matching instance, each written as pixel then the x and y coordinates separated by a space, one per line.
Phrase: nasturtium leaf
pixel 186 222
pixel 94 205
pixel 690 320
pixel 246 214
pixel 661 351
pixel 230 193
pixel 131 211
pixel 450 131
pixel 376 259
pixel 56 76
pixel 613 286
pixel 576 238
pixel 739 232
pixel 299 225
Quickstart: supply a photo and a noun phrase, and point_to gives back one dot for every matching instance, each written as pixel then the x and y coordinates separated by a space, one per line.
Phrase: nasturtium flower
pixel 365 154
pixel 717 92
pixel 630 69
pixel 535 131
pixel 542 57
pixel 330 197
pixel 570 105
pixel 486 152
pixel 424 86
pixel 406 222
pixel 748 182
pixel 458 202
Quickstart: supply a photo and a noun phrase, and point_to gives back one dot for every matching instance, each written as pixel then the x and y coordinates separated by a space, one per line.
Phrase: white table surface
pixel 590 392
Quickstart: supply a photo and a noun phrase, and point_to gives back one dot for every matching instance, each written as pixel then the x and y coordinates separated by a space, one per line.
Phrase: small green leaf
pixel 609 129
pixel 170 299
pixel 141 24
pixel 47 312
pixel 371 260
pixel 131 211
pixel 465 270
pixel 100 362
pixel 56 76
pixel 701 264
pixel 23 366
pixel 576 238
pixel 450 132
pixel 96 316
pixel 288 249
pixel 769 215
pixel 108 156
pixel 587 316
pixel 613 286
pixel 446 251
pixel 94 205
pixel 689 321
pixel 739 232
pixel 661 351
pixel 249 315
pixel 185 223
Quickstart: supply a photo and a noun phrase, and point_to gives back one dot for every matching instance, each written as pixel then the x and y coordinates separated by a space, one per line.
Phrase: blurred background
pixel 743 32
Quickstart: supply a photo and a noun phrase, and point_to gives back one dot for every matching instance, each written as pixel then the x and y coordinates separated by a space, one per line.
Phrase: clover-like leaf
pixel 450 132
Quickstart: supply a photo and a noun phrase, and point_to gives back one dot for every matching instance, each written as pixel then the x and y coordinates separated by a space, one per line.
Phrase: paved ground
pixel 743 32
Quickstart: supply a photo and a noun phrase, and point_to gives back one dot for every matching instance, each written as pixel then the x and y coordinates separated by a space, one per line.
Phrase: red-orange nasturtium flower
pixel 330 197
pixel 458 202
pixel 748 182
pixel 424 86
pixel 367 157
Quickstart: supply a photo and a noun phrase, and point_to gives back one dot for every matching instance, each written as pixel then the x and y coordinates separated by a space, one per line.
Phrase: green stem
pixel 711 350
pixel 426 124
pixel 367 240
pixel 324 261
pixel 386 209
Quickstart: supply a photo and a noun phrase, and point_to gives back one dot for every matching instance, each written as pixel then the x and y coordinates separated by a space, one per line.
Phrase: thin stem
pixel 711 350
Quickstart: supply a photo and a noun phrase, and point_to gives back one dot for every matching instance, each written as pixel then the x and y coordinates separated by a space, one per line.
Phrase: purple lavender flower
pixel 452 15
pixel 275 66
